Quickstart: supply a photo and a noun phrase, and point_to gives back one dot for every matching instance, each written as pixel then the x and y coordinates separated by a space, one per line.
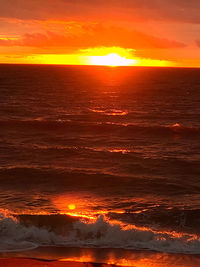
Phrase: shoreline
pixel 25 262
pixel 95 257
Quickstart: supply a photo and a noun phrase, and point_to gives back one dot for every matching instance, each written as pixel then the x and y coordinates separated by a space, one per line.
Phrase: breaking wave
pixel 16 235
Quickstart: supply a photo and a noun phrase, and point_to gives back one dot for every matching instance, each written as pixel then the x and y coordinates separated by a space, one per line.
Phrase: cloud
pixel 171 10
pixel 197 42
pixel 92 36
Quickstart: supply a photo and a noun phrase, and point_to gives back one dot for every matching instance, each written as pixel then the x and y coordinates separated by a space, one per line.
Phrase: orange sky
pixel 148 32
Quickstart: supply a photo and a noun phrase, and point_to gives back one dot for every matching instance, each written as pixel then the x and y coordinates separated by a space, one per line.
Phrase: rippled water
pixel 119 142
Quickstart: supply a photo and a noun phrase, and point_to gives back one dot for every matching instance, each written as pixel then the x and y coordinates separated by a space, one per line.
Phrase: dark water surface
pixel 122 143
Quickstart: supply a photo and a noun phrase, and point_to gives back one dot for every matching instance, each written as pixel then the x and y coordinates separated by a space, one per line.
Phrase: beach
pixel 87 257
pixel 33 263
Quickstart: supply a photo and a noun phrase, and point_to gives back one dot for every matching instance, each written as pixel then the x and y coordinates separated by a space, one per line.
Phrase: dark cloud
pixel 167 10
pixel 137 3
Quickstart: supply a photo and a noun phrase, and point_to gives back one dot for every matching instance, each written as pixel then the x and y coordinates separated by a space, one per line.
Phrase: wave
pixel 64 179
pixel 16 236
pixel 161 217
pixel 110 112
pixel 103 127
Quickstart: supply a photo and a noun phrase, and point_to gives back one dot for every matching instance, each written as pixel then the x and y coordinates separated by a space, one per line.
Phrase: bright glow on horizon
pixel 102 56
pixel 112 59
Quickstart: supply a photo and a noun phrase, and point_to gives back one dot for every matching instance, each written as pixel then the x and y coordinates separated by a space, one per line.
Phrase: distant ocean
pixel 116 148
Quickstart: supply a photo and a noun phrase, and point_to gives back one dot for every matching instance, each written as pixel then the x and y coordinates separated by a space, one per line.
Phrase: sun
pixel 112 59
pixel 71 206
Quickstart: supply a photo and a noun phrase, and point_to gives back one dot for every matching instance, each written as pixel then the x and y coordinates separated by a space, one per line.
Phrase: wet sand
pixel 19 262
pixel 86 257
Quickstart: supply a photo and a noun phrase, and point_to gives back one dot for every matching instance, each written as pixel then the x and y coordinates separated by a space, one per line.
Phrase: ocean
pixel 99 157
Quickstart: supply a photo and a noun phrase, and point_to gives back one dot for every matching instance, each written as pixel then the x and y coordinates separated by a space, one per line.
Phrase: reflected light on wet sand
pixel 103 256
pixel 120 257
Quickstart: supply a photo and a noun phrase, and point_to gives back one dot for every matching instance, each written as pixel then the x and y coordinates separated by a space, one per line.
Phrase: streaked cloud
pixel 173 10
pixel 92 36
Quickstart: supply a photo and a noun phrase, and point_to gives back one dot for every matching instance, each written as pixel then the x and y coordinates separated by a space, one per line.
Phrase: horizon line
pixel 89 65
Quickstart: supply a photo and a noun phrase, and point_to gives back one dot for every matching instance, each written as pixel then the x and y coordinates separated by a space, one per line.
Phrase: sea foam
pixel 101 233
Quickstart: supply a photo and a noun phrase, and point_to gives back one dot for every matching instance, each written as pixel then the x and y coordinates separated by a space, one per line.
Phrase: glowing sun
pixel 112 59
pixel 72 207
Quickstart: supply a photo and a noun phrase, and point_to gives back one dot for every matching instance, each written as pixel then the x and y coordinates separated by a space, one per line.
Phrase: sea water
pixel 100 157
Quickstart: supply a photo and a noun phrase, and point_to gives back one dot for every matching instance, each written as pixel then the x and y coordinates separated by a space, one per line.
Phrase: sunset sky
pixel 144 32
